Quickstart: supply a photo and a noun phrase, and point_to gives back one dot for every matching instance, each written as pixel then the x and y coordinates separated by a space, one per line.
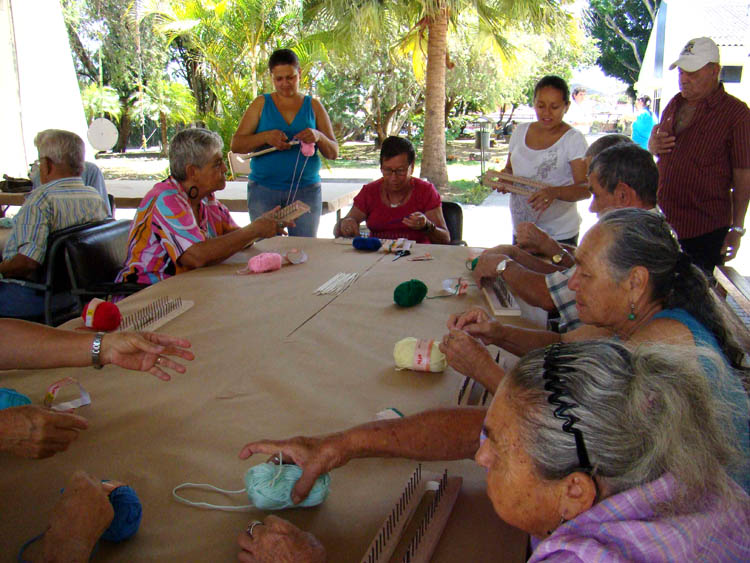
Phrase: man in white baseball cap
pixel 703 145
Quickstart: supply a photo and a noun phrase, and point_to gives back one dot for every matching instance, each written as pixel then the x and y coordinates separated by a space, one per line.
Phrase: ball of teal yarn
pixel 366 243
pixel 12 398
pixel 269 490
pixel 128 511
pixel 409 293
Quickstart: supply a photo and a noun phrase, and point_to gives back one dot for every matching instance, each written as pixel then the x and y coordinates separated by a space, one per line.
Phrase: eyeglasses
pixel 396 171
pixel 558 388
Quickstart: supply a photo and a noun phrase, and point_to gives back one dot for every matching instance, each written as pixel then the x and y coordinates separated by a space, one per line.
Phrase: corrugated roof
pixel 727 24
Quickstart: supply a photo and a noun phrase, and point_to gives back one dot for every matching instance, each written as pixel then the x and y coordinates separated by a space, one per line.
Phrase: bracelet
pixel 739 230
pixel 429 226
pixel 96 348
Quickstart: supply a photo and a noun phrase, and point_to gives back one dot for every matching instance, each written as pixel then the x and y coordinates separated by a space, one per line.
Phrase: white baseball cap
pixel 696 54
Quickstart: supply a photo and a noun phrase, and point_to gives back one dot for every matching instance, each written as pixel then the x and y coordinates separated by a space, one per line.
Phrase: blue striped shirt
pixel 55 205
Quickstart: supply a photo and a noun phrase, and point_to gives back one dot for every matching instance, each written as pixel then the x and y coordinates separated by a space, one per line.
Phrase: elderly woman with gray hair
pixel 180 225
pixel 632 282
pixel 598 451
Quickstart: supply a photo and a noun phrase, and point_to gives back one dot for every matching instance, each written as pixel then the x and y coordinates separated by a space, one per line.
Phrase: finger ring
pixel 158 361
pixel 546 200
pixel 251 527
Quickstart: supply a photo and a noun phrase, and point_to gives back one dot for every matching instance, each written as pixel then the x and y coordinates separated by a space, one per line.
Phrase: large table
pixel 273 360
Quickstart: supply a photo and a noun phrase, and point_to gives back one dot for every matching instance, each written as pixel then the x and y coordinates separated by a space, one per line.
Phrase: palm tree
pixel 165 102
pixel 429 22
pixel 98 100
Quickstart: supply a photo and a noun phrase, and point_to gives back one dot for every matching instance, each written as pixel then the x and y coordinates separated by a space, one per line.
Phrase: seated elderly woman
pixel 180 225
pixel 632 281
pixel 398 205
pixel 659 492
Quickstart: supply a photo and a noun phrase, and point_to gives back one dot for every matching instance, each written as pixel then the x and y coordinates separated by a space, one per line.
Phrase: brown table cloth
pixel 273 360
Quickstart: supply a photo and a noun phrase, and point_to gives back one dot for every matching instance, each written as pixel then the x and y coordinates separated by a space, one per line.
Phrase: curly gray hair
pixel 192 146
pixel 642 413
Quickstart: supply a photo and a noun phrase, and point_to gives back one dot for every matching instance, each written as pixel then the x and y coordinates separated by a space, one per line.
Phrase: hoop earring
pixel 193 192
pixel 631 316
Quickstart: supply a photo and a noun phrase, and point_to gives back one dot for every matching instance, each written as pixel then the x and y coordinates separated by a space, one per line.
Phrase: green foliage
pixel 162 97
pixel 100 100
pixel 622 28
pixel 469 191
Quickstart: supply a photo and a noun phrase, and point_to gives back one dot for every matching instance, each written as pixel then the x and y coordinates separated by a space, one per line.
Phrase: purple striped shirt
pixel 696 177
pixel 626 527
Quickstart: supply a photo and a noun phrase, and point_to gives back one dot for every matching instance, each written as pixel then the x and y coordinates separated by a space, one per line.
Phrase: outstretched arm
pixel 439 434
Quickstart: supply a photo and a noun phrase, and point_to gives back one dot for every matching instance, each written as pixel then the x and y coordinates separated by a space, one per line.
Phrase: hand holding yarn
pixel 315 456
pixel 464 353
pixel 279 541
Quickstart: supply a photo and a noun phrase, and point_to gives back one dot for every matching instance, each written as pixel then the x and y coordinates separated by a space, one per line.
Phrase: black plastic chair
pixel 454 220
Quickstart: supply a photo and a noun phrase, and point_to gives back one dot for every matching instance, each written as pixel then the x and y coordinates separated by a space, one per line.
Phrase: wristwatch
pixel 740 230
pixel 96 348
pixel 501 267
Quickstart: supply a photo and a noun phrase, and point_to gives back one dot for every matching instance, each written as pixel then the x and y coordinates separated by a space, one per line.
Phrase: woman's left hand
pixel 464 353
pixel 416 221
pixel 279 541
pixel 542 199
pixel 308 135
pixel 145 351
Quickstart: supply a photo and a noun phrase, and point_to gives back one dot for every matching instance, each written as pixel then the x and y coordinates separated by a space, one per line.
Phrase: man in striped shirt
pixel 62 201
pixel 703 145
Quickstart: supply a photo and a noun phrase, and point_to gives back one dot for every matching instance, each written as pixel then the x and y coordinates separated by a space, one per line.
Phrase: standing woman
pixel 550 151
pixel 285 175
pixel 644 122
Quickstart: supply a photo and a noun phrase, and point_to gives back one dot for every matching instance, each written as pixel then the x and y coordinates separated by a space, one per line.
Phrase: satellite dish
pixel 102 134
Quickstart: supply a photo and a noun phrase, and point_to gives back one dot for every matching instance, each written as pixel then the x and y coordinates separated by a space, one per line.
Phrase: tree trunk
pixel 434 167
pixel 124 131
pixel 163 127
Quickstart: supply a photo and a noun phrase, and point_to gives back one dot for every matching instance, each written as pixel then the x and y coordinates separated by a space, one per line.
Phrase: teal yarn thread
pixel 409 293
pixel 269 486
pixel 12 398
pixel 128 511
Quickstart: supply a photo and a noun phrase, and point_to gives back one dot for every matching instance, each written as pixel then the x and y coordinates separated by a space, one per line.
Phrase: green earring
pixel 631 316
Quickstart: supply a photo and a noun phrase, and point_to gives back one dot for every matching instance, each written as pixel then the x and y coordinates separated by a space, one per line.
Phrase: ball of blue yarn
pixel 269 490
pixel 12 398
pixel 366 243
pixel 127 518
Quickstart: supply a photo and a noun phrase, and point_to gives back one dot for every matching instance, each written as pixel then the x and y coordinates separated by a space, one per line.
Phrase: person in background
pixel 92 176
pixel 550 151
pixel 282 176
pixel 61 201
pixel 180 225
pixel 644 122
pixel 658 492
pixel 703 147
pixel 398 205
pixel 578 114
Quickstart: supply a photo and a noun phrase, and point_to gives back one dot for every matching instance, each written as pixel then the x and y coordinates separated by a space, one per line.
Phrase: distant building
pixel 727 22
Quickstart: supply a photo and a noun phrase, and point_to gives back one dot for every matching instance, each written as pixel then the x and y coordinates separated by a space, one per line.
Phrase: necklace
pixel 399 202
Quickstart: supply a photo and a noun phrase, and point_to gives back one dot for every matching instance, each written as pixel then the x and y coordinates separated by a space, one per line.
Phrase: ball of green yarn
pixel 269 486
pixel 409 293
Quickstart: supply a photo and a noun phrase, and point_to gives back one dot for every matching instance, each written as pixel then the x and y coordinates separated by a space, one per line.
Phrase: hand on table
pixel 315 456
pixel 662 139
pixel 267 226
pixel 278 139
pixel 79 519
pixel 145 351
pixel 459 321
pixel 487 265
pixel 308 135
pixel 37 432
pixel 531 238
pixel 416 221
pixel 348 227
pixel 278 541
pixel 542 199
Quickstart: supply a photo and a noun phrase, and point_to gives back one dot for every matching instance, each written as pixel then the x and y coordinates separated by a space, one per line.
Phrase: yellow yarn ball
pixel 418 355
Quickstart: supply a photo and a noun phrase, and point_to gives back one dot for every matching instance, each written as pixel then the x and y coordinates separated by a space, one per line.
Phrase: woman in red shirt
pixel 397 205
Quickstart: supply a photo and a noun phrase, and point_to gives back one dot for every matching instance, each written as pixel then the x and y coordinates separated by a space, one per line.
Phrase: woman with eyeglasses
pixel 599 452
pixel 398 205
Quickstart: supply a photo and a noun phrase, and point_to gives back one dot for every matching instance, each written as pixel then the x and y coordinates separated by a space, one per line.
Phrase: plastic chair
pixel 454 220
pixel 239 164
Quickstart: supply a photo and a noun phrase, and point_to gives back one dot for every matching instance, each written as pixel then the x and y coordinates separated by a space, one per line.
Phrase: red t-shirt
pixel 385 221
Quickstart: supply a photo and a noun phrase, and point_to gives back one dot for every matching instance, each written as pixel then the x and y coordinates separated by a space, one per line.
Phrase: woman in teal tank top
pixel 276 120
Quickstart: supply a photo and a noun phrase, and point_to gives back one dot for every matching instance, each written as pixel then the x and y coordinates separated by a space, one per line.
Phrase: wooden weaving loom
pixel 155 314
pixel 508 182
pixel 499 298
pixel 392 542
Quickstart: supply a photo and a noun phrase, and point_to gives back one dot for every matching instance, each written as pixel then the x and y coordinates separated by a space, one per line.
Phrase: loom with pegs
pixel 510 183
pixel 291 212
pixel 499 298
pixel 392 542
pixel 155 314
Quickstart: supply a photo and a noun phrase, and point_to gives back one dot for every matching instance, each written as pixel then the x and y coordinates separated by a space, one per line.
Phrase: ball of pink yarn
pixel 264 262
pixel 307 149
